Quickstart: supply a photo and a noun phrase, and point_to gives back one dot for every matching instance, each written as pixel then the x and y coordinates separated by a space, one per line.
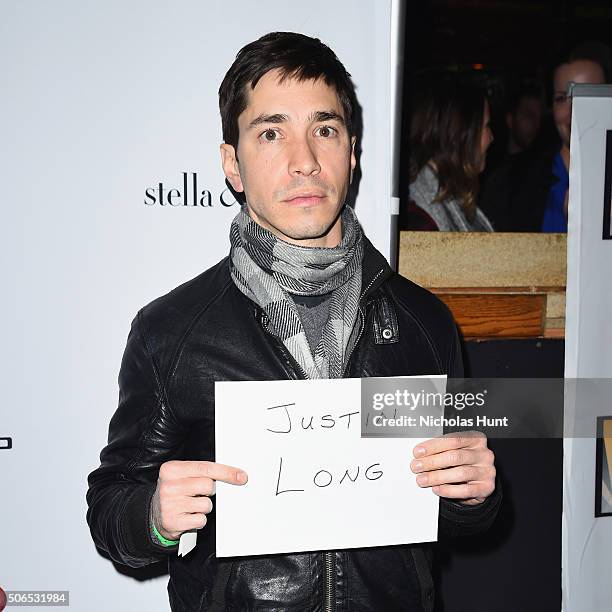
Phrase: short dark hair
pixel 524 88
pixel 296 56
pixel 446 127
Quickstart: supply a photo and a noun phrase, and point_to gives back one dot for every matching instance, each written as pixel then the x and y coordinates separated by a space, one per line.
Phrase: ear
pixel 353 158
pixel 229 163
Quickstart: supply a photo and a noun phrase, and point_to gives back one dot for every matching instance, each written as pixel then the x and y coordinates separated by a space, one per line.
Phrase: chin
pixel 307 233
pixel 565 134
pixel 309 226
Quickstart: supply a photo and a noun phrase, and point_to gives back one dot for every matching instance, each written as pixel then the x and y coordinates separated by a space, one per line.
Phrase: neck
pixel 513 147
pixel 565 155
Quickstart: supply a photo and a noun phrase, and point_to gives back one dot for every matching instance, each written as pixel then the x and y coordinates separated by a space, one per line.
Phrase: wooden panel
pixel 554 332
pixel 497 315
pixel 555 306
pixel 483 259
pixel 530 289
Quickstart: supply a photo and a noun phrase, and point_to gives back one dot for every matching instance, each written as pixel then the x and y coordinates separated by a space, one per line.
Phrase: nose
pixel 303 159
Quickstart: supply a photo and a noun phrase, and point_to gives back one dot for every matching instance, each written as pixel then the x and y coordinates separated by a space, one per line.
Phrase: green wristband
pixel 161 538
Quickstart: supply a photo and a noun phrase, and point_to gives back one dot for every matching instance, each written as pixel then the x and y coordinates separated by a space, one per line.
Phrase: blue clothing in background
pixel 554 219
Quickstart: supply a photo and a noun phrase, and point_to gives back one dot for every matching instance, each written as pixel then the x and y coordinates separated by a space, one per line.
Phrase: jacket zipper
pixel 329 583
pixel 361 328
pixel 361 323
pixel 329 558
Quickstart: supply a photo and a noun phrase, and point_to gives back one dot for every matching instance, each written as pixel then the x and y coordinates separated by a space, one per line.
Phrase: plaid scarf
pixel 266 269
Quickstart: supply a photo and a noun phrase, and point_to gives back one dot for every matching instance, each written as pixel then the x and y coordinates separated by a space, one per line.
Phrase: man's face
pixel 580 71
pixel 294 160
pixel 525 121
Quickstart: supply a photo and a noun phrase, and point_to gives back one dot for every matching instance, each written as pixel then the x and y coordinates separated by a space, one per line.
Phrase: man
pixel 524 118
pixel 521 130
pixel 302 294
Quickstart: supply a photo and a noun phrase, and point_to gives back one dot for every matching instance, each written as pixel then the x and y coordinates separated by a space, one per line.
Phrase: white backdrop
pixel 587 541
pixel 102 100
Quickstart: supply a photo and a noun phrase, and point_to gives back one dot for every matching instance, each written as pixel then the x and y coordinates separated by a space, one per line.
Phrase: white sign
pixel 314 483
pixel 586 536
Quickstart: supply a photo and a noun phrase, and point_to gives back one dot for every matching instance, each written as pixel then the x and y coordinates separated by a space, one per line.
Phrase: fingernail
pixel 419 451
pixel 241 477
pixel 417 466
pixel 422 479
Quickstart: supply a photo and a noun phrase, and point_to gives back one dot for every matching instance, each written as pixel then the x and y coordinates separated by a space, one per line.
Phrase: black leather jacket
pixel 207 330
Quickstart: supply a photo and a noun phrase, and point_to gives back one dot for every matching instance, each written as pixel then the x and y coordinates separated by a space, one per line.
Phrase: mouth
pixel 306 198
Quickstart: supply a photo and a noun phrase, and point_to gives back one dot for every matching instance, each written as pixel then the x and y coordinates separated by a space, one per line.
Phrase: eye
pixel 560 98
pixel 269 135
pixel 326 131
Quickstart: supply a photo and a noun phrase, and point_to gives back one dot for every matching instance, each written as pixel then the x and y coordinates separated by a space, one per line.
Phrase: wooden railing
pixel 497 285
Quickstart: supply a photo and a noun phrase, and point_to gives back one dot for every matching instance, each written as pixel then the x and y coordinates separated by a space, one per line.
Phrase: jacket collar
pixel 375 269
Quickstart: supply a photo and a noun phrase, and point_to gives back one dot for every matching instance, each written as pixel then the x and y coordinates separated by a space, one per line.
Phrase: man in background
pixel 524 118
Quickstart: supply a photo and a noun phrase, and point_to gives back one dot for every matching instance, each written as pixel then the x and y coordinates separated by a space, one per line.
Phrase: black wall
pixel 515 566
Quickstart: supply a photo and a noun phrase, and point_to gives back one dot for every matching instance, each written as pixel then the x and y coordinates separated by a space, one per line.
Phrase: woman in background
pixel 449 137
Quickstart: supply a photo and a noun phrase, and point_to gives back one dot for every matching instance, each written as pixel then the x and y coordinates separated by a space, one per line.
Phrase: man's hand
pixel 182 498
pixel 457 465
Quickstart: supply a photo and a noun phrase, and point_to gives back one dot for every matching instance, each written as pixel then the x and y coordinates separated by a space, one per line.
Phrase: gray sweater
pixel 448 215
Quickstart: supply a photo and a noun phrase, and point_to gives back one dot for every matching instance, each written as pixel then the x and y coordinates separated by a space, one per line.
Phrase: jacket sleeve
pixel 142 435
pixel 456 519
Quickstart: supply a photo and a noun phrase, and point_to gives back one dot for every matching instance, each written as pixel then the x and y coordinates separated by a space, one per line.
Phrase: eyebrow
pixel 263 118
pixel 316 116
pixel 328 115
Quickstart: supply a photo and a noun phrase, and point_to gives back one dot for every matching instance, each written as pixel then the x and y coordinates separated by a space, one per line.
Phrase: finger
pixel 460 439
pixel 463 474
pixel 469 490
pixel 184 488
pixel 190 487
pixel 445 459
pixel 202 505
pixel 184 521
pixel 190 522
pixel 225 473
pixel 209 469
